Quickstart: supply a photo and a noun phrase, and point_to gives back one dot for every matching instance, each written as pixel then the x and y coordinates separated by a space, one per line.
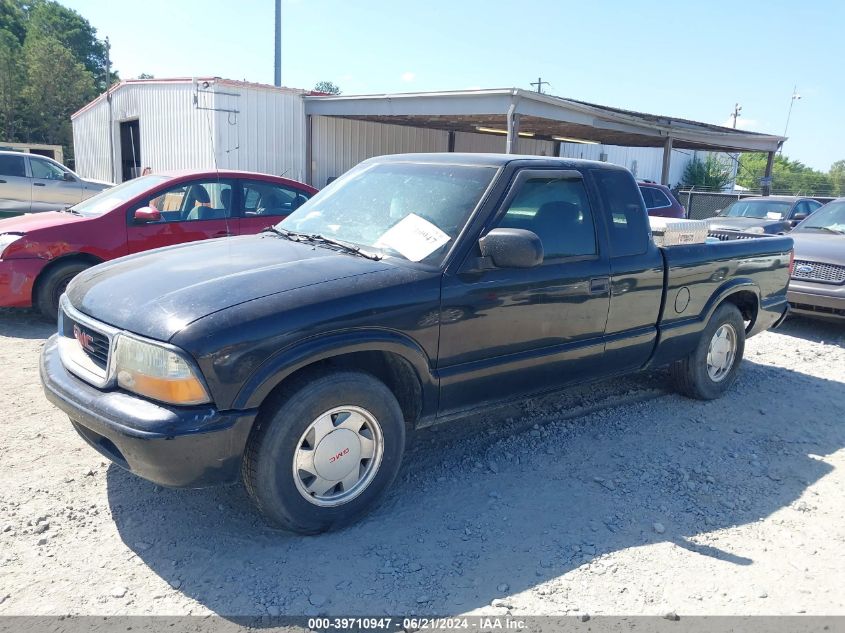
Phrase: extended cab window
pixel 12 166
pixel 558 212
pixel 193 201
pixel 629 229
pixel 266 198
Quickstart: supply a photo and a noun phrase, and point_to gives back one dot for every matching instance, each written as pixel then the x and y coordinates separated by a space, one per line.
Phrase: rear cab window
pixel 628 227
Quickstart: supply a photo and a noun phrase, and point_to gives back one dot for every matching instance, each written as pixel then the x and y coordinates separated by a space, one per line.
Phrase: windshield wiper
pixel 293 236
pixel 346 248
pixel 69 209
pixel 825 228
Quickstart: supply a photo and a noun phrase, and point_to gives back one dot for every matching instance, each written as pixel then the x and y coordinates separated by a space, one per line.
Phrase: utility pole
pixel 539 83
pixel 277 78
pixel 111 111
pixel 736 115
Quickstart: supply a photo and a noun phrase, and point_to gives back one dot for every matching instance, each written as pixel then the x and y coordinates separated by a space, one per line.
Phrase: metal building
pixel 203 123
pixel 190 123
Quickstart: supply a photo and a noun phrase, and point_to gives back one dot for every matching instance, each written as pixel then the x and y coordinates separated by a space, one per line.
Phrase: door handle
pixel 38 184
pixel 223 234
pixel 599 285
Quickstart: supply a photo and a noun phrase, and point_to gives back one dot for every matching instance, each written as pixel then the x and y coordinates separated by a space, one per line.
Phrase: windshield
pixel 760 209
pixel 110 198
pixel 410 210
pixel 830 217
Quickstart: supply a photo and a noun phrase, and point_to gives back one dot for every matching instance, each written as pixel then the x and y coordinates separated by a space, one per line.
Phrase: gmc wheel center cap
pixel 337 454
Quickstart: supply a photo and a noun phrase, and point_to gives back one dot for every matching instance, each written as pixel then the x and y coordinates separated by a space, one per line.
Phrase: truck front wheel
pixel 711 369
pixel 326 452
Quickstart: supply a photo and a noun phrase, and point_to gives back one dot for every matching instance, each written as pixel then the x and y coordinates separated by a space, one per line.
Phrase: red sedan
pixel 41 253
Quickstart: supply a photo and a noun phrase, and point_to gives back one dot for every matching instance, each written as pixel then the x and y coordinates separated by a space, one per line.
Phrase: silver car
pixel 30 183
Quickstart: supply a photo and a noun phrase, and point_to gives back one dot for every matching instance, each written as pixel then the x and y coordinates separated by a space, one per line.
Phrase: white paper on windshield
pixel 415 238
pixel 773 215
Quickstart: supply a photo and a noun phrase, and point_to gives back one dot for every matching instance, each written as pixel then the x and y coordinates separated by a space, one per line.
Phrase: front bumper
pixel 183 447
pixel 17 276
pixel 814 299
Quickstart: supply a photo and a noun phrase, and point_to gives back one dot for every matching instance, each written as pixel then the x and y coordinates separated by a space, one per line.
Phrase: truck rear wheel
pixel 54 283
pixel 326 452
pixel 711 369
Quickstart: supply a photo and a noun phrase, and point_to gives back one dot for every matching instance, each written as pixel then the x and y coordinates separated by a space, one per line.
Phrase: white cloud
pixel 408 76
pixel 742 123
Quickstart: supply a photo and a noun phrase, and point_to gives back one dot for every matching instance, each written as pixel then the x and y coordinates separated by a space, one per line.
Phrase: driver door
pixel 194 210
pixel 52 187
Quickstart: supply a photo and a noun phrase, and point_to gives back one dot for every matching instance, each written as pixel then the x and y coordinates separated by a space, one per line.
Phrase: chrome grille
pixel 96 344
pixel 814 271
pixel 85 345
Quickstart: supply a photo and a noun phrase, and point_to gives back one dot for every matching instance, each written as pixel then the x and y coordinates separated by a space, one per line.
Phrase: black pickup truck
pixel 413 290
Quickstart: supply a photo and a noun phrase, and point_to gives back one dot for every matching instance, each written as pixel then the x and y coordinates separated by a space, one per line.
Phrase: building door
pixel 130 150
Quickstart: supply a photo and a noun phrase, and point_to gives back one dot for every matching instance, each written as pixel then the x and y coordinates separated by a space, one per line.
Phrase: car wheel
pixel 711 369
pixel 325 453
pixel 51 287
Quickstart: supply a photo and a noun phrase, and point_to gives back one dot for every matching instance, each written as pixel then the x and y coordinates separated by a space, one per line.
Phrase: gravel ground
pixel 616 498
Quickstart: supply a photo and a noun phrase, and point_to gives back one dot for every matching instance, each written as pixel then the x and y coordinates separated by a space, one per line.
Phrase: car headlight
pixel 156 372
pixel 6 240
pixel 757 230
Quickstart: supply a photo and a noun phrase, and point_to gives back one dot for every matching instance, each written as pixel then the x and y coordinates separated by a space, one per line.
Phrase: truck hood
pixel 32 221
pixel 157 293
pixel 743 224
pixel 825 248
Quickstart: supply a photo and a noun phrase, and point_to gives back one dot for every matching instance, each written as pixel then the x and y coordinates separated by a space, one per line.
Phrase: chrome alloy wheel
pixel 722 352
pixel 338 456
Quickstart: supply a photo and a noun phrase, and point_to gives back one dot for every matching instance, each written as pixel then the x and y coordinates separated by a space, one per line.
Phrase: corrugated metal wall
pixel 266 134
pixel 340 144
pixel 645 162
pixel 496 143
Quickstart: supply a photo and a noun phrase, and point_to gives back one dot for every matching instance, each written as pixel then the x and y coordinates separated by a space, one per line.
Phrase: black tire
pixel 53 284
pixel 268 460
pixel 690 375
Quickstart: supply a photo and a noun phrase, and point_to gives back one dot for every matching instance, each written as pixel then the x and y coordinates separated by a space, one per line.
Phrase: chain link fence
pixel 704 204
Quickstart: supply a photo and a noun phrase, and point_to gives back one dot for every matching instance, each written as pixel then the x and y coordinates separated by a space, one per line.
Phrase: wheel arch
pixel 392 357
pixel 744 294
pixel 87 258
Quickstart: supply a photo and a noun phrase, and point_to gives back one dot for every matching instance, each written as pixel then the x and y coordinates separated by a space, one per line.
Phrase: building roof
pixel 187 80
pixel 540 116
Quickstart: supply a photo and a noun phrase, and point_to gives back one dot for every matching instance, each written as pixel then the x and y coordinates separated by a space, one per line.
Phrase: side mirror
pixel 717 212
pixel 146 215
pixel 512 248
pixel 68 177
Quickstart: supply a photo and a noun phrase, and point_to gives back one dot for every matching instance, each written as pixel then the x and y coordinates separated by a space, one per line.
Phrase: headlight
pixel 156 372
pixel 757 230
pixel 6 240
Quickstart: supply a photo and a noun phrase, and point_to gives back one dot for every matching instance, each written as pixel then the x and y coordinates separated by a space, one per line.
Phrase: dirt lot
pixel 616 498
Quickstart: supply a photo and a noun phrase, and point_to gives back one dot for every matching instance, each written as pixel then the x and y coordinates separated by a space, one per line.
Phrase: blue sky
pixel 685 59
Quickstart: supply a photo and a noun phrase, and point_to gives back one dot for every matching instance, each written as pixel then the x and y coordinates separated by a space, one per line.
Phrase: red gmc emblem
pixel 333 459
pixel 83 338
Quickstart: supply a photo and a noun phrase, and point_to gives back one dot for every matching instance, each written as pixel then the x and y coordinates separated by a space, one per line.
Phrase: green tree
pixel 51 19
pixel 837 178
pixel 711 173
pixel 328 87
pixel 48 103
pixel 788 176
pixel 12 19
pixel 11 84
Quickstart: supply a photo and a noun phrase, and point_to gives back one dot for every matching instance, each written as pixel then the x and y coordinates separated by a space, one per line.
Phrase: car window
pixel 629 229
pixel 269 199
pixel 45 170
pixel 12 166
pixel 558 211
pixel 658 199
pixel 193 201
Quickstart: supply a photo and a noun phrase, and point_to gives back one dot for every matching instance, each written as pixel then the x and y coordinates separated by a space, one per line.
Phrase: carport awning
pixel 538 116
